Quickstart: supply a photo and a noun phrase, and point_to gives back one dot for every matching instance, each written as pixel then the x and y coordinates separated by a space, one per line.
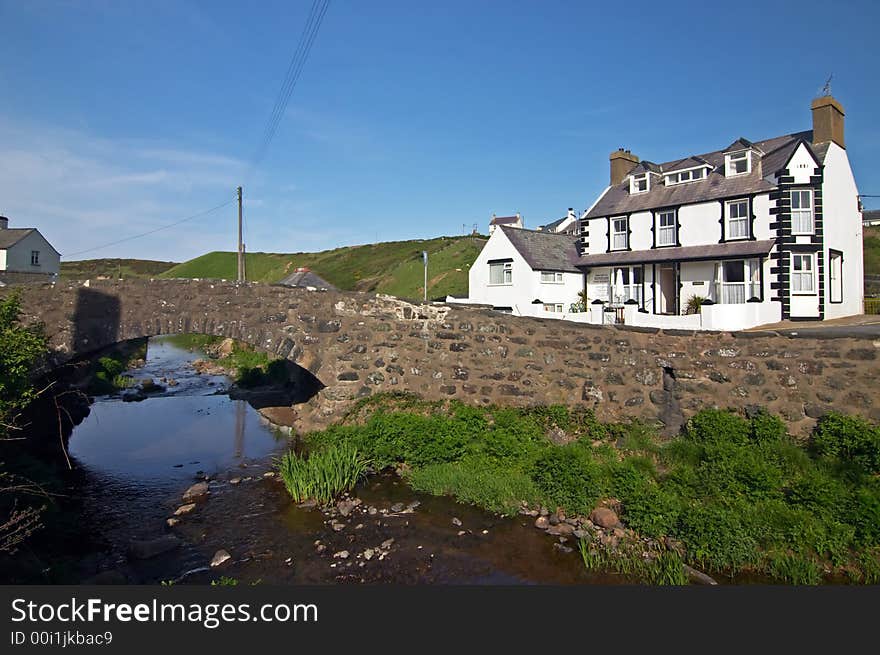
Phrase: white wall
pixel 699 223
pixel 640 230
pixel 2 260
pixel 526 284
pixel 18 257
pixel 842 231
pixel 693 273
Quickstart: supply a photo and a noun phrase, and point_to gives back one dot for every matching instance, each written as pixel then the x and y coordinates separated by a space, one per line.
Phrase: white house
pixel 508 221
pixel 568 224
pixel 527 273
pixel 871 217
pixel 761 231
pixel 25 255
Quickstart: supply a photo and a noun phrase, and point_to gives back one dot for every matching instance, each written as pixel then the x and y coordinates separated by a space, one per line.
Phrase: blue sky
pixel 411 119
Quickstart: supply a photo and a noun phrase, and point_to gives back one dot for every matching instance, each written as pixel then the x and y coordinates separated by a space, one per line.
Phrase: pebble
pixel 235 481
pixel 184 509
pixel 220 557
pixel 342 554
pixel 456 521
pixel 368 553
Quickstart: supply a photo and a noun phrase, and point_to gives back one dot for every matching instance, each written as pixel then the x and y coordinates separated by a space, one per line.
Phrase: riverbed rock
pixel 368 553
pixel 184 509
pixel 198 490
pixel 235 481
pixel 397 507
pixel 388 543
pixel 605 518
pixel 342 554
pixel 456 521
pixel 172 522
pixel 149 385
pixel 283 415
pixel 225 348
pixel 542 523
pixel 220 557
pixel 148 548
pixel 345 507
pixel 337 526
pixel 560 530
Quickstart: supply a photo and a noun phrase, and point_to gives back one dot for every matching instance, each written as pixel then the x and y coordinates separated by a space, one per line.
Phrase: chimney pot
pixel 4 222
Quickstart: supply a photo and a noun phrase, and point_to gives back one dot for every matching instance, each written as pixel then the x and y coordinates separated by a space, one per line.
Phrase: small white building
pixel 758 232
pixel 507 221
pixel 568 224
pixel 527 273
pixel 26 255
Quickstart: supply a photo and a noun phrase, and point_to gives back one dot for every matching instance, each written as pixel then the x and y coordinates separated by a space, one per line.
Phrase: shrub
pixel 717 537
pixel 767 428
pixel 710 426
pixel 324 474
pixel 864 512
pixel 693 304
pixel 850 439
pixel 568 477
pixel 652 510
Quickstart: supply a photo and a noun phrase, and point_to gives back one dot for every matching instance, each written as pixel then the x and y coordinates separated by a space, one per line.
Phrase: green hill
pixel 872 250
pixel 115 268
pixel 393 267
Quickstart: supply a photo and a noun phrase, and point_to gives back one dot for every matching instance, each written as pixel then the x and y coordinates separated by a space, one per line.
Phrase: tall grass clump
pixel 323 475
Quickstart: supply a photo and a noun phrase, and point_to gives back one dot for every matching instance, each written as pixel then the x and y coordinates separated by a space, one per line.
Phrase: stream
pixel 136 459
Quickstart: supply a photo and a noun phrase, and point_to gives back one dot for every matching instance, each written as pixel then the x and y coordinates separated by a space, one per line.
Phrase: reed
pixel 324 474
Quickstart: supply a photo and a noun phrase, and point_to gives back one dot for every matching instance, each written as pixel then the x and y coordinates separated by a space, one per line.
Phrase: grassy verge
pixel 739 494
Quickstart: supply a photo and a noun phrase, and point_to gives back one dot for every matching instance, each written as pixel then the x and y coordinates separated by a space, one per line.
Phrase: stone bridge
pixel 358 344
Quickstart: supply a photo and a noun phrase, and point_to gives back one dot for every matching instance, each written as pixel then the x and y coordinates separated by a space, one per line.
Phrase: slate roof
pixel 618 199
pixel 551 227
pixel 871 215
pixel 302 279
pixel 683 253
pixel 9 237
pixel 504 220
pixel 544 251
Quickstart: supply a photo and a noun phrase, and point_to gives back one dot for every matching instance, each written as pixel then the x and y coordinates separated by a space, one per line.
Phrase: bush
pixel 711 426
pixel 850 439
pixel 569 478
pixel 717 537
pixel 652 510
pixel 767 428
pixel 324 474
pixel 864 512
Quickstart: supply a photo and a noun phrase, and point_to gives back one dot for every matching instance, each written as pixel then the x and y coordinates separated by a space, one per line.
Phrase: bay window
pixel 737 281
pixel 626 284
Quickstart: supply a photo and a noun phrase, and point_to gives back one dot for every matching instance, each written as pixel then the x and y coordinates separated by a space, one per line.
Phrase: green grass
pixel 393 267
pixel 113 268
pixel 871 248
pixel 324 474
pixel 740 494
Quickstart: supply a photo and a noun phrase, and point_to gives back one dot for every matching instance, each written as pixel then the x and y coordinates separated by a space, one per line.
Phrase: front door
pixel 668 289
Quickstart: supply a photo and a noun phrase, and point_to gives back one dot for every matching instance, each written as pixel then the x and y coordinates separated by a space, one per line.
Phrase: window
pixel 619 237
pixel 551 277
pixel 686 176
pixel 638 183
pixel 35 257
pixel 737 219
pixel 737 163
pixel 802 274
pixel 666 228
pixel 835 273
pixel 737 281
pixel 500 272
pixel 553 308
pixel 626 284
pixel 802 212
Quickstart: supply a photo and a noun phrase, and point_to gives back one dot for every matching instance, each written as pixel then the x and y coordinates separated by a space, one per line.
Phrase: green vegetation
pixel 393 267
pixel 739 494
pixel 21 349
pixel 250 367
pixel 664 569
pixel 106 373
pixel 113 268
pixel 324 474
pixel 871 248
pixel 224 581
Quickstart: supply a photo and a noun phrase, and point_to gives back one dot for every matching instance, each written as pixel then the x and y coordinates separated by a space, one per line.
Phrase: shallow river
pixel 139 457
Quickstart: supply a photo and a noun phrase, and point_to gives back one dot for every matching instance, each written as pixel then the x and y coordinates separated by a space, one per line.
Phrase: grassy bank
pixel 248 366
pixel 106 372
pixel 393 267
pixel 113 268
pixel 739 495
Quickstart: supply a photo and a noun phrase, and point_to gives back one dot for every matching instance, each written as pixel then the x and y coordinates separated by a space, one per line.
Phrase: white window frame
pixel 665 230
pixel 835 277
pixel 630 289
pixel 506 274
pixel 551 277
pixel 35 257
pixel 553 308
pixel 619 233
pixel 746 220
pixel 687 175
pixel 732 158
pixel 802 216
pixel 636 180
pixel 800 278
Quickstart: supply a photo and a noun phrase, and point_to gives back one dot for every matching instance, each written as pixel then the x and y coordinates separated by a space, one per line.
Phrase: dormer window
pixel 685 176
pixel 639 183
pixel 738 163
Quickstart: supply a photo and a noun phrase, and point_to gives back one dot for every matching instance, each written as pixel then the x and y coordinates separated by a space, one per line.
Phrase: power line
pixel 158 229
pixel 294 70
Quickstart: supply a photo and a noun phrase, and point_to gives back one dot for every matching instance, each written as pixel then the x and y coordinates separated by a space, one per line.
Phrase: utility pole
pixel 425 259
pixel 240 248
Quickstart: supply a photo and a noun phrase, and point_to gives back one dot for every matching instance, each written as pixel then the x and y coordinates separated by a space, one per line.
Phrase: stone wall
pixel 359 344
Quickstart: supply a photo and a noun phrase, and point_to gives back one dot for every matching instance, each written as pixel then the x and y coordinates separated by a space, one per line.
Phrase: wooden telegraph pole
pixel 240 248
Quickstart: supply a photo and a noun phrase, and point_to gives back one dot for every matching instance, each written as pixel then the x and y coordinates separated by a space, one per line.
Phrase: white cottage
pixel 26 255
pixel 527 273
pixel 754 233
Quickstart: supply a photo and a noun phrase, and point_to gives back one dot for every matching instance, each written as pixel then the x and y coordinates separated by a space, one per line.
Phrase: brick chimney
pixel 622 162
pixel 4 222
pixel 827 120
